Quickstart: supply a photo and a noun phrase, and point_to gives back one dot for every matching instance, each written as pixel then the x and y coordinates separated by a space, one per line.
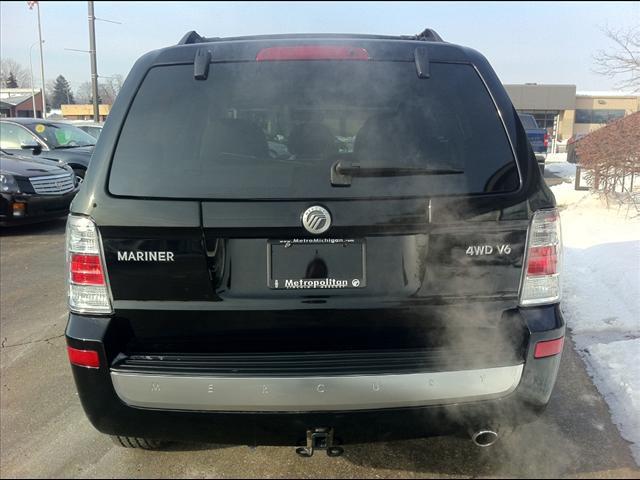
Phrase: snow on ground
pixel 614 367
pixel 601 294
pixel 556 158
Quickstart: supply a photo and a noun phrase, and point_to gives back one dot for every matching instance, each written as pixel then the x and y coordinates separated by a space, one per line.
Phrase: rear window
pixel 273 130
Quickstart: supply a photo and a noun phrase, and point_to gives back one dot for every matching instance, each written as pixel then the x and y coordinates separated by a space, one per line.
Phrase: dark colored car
pixel 572 143
pixel 33 190
pixel 48 140
pixel 390 271
pixel 538 137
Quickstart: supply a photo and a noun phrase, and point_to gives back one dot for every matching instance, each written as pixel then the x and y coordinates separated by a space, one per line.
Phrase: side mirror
pixel 32 145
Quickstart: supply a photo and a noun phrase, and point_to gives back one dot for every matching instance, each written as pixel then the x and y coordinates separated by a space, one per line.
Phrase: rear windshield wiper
pixel 342 172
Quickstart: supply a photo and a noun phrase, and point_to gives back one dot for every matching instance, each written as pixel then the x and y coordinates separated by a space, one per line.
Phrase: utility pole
pixel 94 63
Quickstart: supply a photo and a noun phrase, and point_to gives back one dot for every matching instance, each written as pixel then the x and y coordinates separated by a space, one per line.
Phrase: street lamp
pixel 33 95
pixel 42 93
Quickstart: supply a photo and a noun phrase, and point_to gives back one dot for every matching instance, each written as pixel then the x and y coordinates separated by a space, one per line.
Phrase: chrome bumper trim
pixel 298 394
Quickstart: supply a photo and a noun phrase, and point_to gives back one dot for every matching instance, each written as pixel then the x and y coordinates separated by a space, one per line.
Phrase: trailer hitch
pixel 320 439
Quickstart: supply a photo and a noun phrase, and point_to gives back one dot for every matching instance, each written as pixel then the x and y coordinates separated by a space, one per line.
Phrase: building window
pixel 599 116
pixel 544 118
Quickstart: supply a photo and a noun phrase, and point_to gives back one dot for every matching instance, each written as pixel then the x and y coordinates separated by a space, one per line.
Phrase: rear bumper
pixel 325 393
pixel 37 208
pixel 279 411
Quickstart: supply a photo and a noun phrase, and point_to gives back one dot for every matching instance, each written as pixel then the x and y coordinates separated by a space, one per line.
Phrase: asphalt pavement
pixel 44 433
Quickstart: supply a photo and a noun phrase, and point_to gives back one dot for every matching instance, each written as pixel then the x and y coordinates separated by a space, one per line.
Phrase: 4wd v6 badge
pixel 477 250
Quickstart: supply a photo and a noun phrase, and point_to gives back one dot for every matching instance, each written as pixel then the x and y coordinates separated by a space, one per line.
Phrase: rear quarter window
pixel 272 130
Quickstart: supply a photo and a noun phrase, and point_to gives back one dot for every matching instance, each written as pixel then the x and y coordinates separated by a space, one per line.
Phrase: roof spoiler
pixel 427 35
pixel 191 37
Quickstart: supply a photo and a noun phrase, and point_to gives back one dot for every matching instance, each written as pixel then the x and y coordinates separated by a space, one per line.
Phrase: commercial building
pixel 564 112
pixel 84 112
pixel 18 102
pixel 594 109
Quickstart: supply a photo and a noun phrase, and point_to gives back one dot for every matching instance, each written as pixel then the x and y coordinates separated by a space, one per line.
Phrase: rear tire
pixel 138 442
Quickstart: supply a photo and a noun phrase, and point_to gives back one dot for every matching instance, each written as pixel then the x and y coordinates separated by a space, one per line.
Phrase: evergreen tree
pixel 11 81
pixel 61 93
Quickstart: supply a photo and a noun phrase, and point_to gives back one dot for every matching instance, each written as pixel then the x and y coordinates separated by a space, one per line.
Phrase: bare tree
pixel 109 88
pixel 83 93
pixel 623 61
pixel 105 94
pixel 49 88
pixel 9 66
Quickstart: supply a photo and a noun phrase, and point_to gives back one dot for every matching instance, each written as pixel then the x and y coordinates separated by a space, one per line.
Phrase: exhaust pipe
pixel 484 438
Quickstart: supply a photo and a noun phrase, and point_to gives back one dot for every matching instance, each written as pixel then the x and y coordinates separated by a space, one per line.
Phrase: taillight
pixel 546 140
pixel 86 270
pixel 542 261
pixel 83 358
pixel 541 275
pixel 312 52
pixel 88 289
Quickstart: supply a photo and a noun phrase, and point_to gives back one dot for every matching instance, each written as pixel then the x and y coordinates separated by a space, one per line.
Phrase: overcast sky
pixel 543 42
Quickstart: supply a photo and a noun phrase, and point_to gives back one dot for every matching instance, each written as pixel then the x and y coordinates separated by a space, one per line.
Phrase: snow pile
pixel 601 295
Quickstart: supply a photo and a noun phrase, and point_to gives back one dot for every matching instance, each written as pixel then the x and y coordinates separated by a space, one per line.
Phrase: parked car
pixel 401 285
pixel 538 137
pixel 572 143
pixel 33 190
pixel 48 140
pixel 92 128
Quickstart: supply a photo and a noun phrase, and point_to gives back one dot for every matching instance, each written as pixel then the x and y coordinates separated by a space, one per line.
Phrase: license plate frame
pixel 340 277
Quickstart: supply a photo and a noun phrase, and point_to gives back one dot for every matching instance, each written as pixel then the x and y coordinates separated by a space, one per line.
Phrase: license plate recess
pixel 316 264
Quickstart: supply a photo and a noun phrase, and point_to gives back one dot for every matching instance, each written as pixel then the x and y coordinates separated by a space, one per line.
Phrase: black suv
pixel 313 240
